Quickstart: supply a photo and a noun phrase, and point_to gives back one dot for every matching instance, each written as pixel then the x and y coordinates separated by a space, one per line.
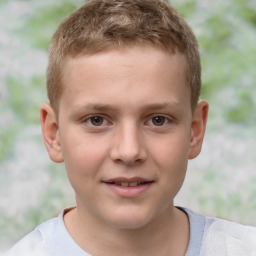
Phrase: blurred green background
pixel 220 182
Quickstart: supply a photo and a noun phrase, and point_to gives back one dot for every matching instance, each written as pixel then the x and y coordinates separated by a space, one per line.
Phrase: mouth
pixel 129 187
pixel 129 184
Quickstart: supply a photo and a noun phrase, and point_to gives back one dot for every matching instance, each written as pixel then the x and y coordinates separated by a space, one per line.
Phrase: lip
pixel 128 192
pixel 129 180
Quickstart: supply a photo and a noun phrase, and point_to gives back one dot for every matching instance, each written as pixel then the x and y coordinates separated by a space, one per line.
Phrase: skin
pixel 129 90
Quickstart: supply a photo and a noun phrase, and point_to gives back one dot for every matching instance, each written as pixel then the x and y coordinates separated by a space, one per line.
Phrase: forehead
pixel 142 73
pixel 131 57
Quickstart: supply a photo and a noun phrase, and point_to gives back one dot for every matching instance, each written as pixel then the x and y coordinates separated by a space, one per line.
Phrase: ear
pixel 198 128
pixel 50 131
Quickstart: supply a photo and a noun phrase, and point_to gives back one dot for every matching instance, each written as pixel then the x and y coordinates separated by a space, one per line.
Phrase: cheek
pixel 171 152
pixel 82 159
pixel 170 155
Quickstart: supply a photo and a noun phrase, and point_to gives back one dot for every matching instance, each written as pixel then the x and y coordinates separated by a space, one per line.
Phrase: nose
pixel 128 146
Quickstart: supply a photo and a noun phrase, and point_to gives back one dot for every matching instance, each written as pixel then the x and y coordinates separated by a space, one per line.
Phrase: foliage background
pixel 220 182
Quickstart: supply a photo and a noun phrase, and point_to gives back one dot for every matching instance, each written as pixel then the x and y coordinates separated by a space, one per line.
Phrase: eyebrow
pixel 107 107
pixel 92 106
pixel 159 106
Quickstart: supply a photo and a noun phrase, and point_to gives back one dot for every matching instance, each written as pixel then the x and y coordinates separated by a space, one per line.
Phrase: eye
pixel 158 120
pixel 96 120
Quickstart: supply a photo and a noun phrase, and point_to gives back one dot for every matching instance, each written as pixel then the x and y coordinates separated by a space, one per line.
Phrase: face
pixel 125 132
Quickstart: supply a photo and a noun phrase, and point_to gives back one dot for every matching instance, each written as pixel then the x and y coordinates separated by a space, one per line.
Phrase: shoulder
pixel 211 236
pixel 31 244
pixel 34 242
pixel 223 237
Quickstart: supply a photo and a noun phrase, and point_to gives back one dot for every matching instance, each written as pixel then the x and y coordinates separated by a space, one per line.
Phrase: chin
pixel 129 224
pixel 130 219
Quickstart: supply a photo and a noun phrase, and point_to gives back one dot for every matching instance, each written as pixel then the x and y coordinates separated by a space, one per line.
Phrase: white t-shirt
pixel 208 237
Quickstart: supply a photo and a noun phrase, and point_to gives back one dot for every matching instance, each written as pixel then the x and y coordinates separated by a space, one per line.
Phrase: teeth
pixel 127 184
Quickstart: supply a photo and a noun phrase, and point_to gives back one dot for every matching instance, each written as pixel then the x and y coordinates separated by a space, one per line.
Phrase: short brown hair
pixel 101 25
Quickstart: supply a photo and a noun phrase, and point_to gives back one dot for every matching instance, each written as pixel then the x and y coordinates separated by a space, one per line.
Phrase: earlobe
pixel 50 131
pixel 198 128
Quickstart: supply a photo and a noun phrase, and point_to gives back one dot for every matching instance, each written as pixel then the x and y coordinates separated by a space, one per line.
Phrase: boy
pixel 123 84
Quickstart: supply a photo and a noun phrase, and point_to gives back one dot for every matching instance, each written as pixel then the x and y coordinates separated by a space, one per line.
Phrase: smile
pixel 129 188
pixel 129 184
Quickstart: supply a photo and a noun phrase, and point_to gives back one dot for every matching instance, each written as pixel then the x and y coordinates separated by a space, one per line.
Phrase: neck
pixel 166 235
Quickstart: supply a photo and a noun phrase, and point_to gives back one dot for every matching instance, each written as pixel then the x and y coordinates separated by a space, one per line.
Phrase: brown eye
pixel 158 120
pixel 97 120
